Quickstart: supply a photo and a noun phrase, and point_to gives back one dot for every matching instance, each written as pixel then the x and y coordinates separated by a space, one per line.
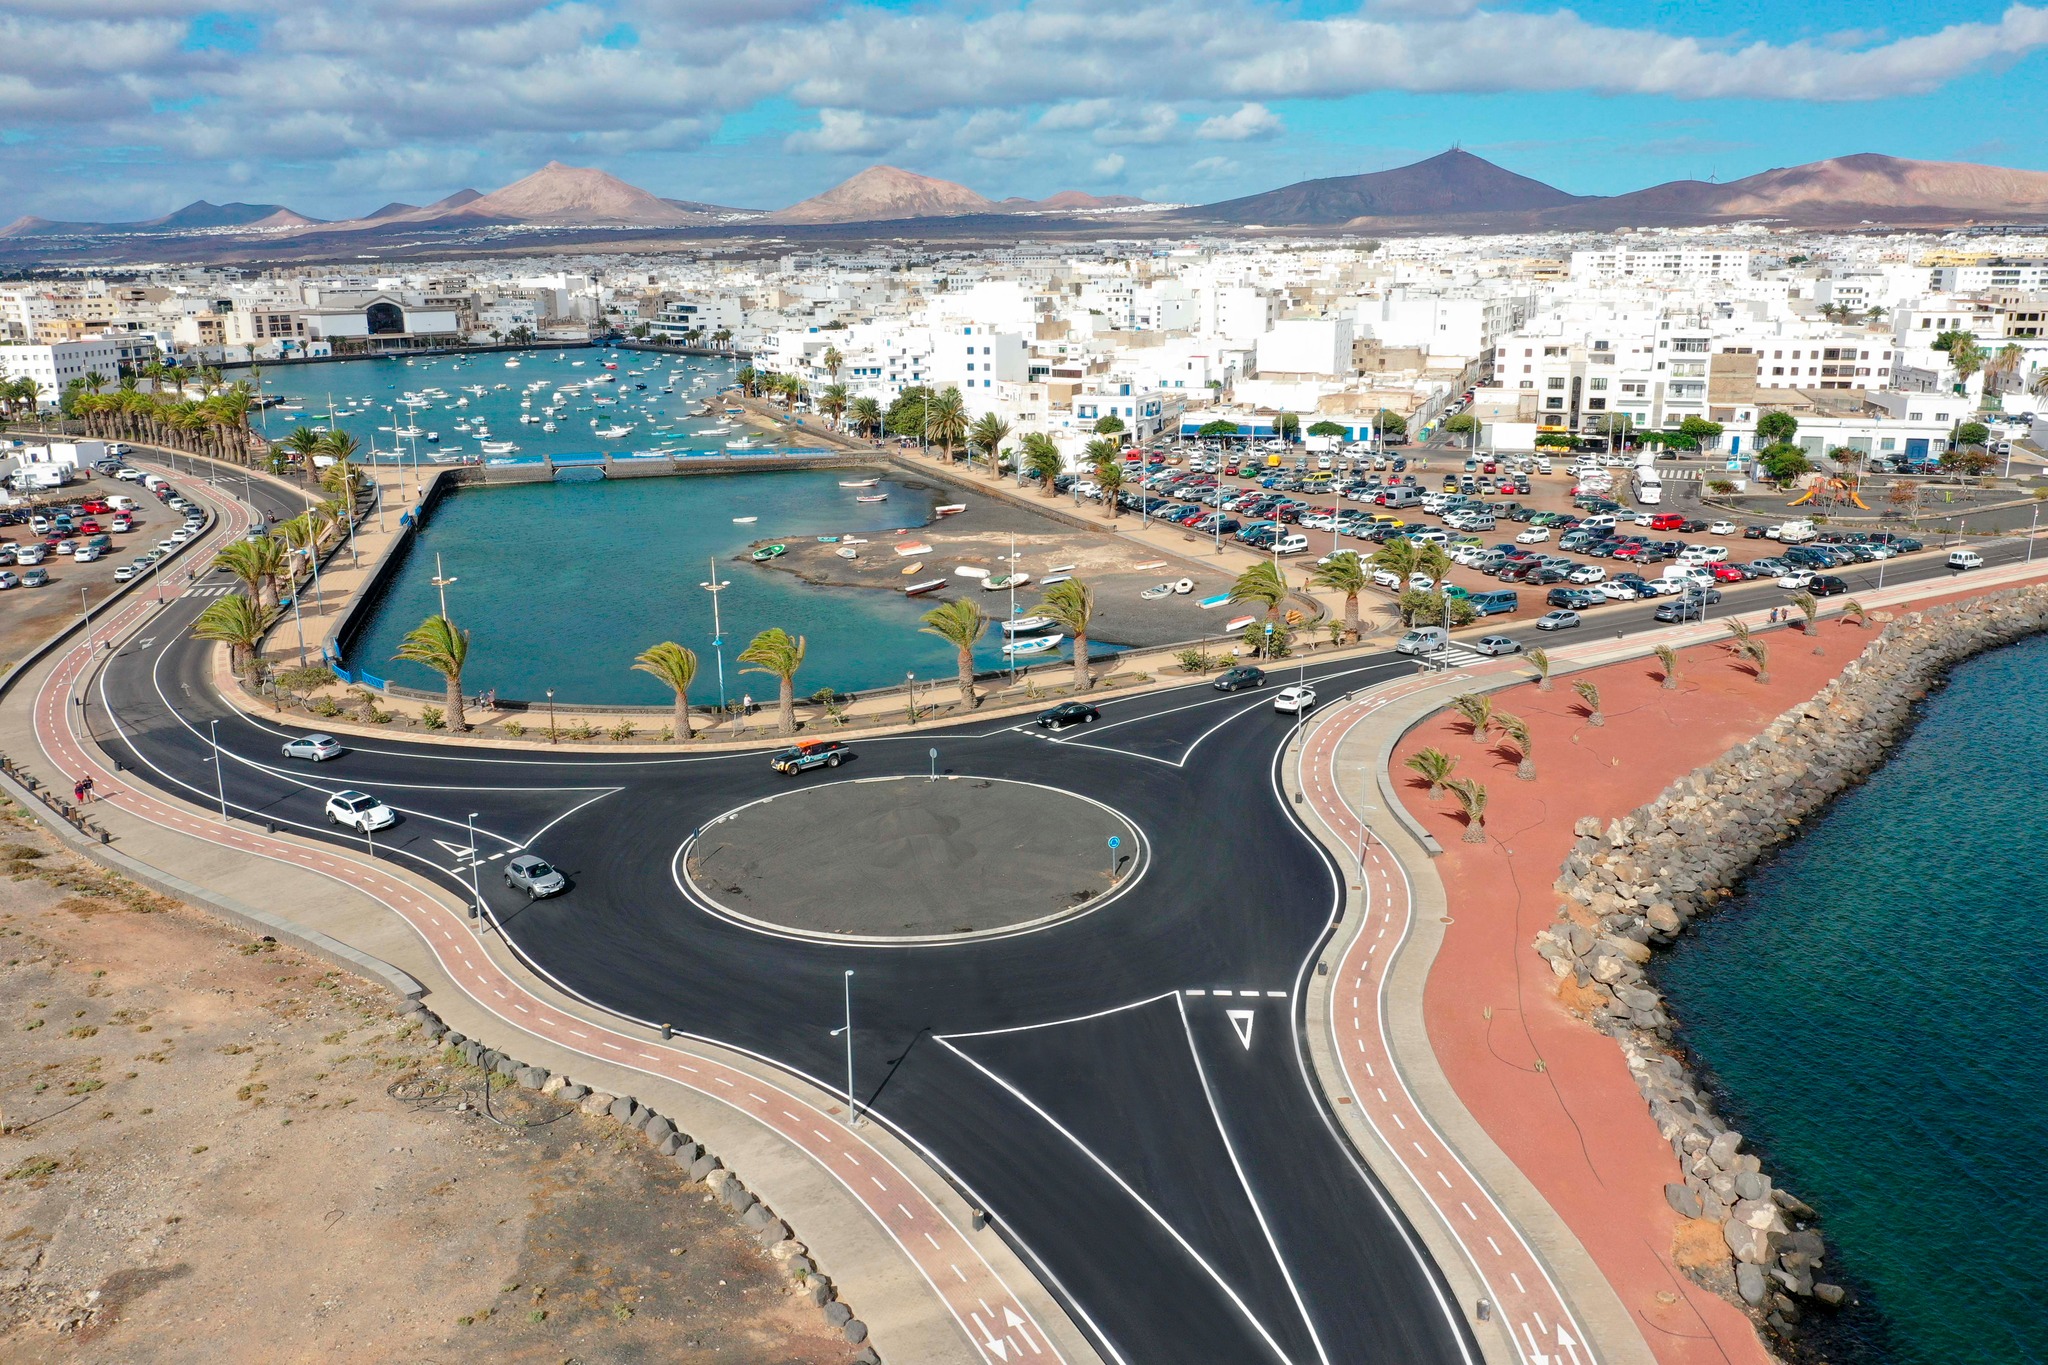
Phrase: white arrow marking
pixel 1241 1020
pixel 1535 1352
pixel 1011 1320
pixel 989 1339
pixel 460 851
pixel 1565 1343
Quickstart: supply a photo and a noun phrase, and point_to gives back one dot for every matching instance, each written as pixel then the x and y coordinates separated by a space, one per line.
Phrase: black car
pixel 1693 526
pixel 1240 678
pixel 1827 585
pixel 1752 533
pixel 1069 713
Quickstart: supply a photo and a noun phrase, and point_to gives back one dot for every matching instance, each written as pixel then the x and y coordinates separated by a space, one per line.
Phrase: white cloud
pixel 1214 166
pixel 1249 123
pixel 1109 167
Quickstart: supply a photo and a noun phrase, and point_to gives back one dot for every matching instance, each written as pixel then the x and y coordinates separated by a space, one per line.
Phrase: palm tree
pixel 235 621
pixel 831 361
pixel 95 381
pixel 960 623
pixel 1589 693
pixel 1759 654
pixel 779 654
pixel 1397 557
pixel 833 402
pixel 1539 659
pixel 1434 765
pixel 1852 610
pixel 1071 605
pixel 1809 607
pixel 2005 361
pixel 2037 382
pixel 1434 560
pixel 1346 575
pixel 748 378
pixel 1516 731
pixel 258 563
pixel 1738 636
pixel 988 435
pixel 437 643
pixel 945 420
pixel 1042 460
pixel 1476 708
pixel 1472 801
pixel 1261 583
pixel 1667 657
pixel 676 666
pixel 867 415
pixel 1110 475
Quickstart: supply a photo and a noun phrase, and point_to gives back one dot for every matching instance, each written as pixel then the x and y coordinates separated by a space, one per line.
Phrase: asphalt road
pixel 1173 1169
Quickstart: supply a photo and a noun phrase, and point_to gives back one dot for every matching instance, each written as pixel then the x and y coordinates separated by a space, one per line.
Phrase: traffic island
pixel 912 859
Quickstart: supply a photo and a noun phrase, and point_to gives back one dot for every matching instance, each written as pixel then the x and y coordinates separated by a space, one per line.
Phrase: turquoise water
pixel 367 398
pixel 561 584
pixel 1872 1004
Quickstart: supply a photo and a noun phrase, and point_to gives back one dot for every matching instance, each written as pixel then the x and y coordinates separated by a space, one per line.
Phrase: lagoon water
pixel 1873 1007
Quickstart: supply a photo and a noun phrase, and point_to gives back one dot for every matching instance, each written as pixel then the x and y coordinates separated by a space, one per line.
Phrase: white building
pixel 56 365
pixel 1660 261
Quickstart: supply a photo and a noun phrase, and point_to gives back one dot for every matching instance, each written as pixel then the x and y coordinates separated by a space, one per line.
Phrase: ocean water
pixel 366 398
pixel 561 584
pixel 1872 1009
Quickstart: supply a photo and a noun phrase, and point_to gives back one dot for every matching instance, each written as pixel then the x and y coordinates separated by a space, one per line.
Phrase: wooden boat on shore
pixel 847 552
pixel 1221 599
pixel 969 571
pixel 1056 578
pixel 768 552
pixel 1157 591
pixel 1026 625
pixel 1006 581
pixel 1239 622
pixel 1037 644
pixel 858 483
pixel 920 589
pixel 948 509
pixel 913 547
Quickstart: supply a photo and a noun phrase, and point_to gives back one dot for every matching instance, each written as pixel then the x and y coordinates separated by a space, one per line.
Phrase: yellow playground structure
pixel 1830 490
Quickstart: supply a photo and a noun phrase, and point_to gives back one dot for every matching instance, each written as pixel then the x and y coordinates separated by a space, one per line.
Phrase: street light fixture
pixel 551 715
pixel 220 782
pixel 441 581
pixel 852 1105
pixel 715 587
pixel 475 887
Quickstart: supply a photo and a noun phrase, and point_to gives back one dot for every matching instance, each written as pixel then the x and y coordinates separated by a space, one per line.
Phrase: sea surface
pixel 1872 1009
pixel 561 584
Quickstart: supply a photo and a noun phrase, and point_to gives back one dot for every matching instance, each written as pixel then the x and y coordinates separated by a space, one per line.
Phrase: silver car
pixel 313 748
pixel 533 876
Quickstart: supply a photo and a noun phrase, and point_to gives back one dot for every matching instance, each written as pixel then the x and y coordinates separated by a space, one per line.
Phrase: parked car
pixel 359 811
pixel 1827 585
pixel 1294 700
pixel 1558 620
pixel 312 748
pixel 812 753
pixel 1239 678
pixel 1535 535
pixel 1497 645
pixel 35 578
pixel 1069 713
pixel 1796 579
pixel 533 876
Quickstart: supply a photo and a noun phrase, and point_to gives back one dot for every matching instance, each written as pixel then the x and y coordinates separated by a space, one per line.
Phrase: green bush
pixel 1194 661
pixel 623 730
pixel 323 706
pixel 514 728
pixel 307 678
pixel 433 717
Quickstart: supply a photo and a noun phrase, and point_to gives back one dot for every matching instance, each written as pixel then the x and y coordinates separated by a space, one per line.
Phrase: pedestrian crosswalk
pixel 1454 656
pixel 211 590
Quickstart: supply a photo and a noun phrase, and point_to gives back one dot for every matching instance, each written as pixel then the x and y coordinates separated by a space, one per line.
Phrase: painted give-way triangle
pixel 1241 1020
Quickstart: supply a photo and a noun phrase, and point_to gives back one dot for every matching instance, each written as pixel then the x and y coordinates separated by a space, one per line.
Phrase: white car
pixel 131 475
pixel 182 534
pixel 1294 700
pixel 1334 556
pixel 359 811
pixel 313 748
pixel 1386 578
pixel 86 554
pixel 1721 528
pixel 1587 575
pixel 169 545
pixel 1535 535
pixel 1557 620
pixel 1497 645
pixel 1421 582
pixel 124 573
pixel 1798 578
pixel 1618 592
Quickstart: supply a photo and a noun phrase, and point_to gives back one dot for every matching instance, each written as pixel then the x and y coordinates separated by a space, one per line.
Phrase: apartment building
pixel 54 366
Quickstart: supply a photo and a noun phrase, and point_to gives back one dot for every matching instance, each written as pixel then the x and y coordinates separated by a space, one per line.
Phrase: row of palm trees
pixel 216 426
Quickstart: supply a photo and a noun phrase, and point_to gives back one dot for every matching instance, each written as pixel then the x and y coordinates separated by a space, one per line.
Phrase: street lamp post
pixel 475 887
pixel 85 611
pixel 852 1105
pixel 220 781
pixel 715 587
pixel 551 715
pixel 441 581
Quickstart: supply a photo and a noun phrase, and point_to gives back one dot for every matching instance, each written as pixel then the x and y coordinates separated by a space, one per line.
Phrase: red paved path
pixel 988 1314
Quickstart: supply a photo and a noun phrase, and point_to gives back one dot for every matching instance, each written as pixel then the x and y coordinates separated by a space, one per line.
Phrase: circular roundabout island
pixel 912 860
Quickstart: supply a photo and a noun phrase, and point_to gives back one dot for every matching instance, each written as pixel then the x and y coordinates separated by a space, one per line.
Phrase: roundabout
pixel 912 860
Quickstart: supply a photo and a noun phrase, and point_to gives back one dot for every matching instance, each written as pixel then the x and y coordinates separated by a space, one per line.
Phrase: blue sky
pixel 129 108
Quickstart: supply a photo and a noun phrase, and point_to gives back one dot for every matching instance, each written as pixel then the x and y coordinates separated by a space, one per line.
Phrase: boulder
pixel 1749 1282
pixel 507 1066
pixel 1752 1185
pixel 531 1077
pixel 838 1313
pixel 1751 1246
pixel 669 1144
pixel 455 1039
pixel 573 1094
pixel 771 1234
pixel 703 1166
pixel 1833 1295
pixel 1682 1200
pixel 818 1290
pixel 686 1154
pixel 624 1109
pixel 596 1103
pixel 757 1216
pixel 802 1266
pixel 556 1084
pixel 1725 1147
pixel 855 1330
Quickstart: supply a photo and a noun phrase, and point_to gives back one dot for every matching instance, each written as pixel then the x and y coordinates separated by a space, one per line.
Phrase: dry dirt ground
pixel 221 1151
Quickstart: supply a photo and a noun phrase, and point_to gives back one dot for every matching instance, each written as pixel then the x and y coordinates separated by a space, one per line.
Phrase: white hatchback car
pixel 1535 535
pixel 1721 528
pixel 359 811
pixel 1294 700
pixel 313 748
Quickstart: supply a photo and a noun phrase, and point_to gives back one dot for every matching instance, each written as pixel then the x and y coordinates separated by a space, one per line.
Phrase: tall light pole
pixel 85 611
pixel 441 581
pixel 475 887
pixel 852 1105
pixel 551 715
pixel 220 782
pixel 716 586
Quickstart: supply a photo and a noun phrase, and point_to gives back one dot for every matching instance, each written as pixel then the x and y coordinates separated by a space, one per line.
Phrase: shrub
pixel 1195 661
pixel 514 728
pixel 582 729
pixel 623 730
pixel 665 734
pixel 323 706
pixel 307 678
pixel 377 717
pixel 433 717
pixel 1720 486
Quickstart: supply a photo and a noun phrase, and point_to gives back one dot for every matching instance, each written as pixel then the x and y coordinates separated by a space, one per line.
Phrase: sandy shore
pixel 984 537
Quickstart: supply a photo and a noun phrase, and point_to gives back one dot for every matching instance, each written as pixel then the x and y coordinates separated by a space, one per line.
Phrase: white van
pixel 1965 559
pixel 1423 640
pixel 1293 543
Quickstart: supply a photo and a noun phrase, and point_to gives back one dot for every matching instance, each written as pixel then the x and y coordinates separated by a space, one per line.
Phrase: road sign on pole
pixel 1114 842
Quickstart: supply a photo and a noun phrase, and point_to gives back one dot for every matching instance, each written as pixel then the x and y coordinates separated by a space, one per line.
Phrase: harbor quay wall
pixel 1634 885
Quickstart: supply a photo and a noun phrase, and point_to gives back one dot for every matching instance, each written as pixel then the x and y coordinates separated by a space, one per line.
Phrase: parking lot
pixel 1525 535
pixel 44 580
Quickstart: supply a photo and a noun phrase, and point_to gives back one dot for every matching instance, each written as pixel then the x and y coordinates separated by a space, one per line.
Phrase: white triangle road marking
pixel 460 851
pixel 1241 1020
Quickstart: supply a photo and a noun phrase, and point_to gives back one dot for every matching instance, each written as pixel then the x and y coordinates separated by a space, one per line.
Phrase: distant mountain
pixel 195 216
pixel 1452 182
pixel 569 196
pixel 885 194
pixel 1072 201
pixel 1840 192
pixel 395 209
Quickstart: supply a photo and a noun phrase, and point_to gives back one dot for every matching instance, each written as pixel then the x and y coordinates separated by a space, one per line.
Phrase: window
pixel 1555 382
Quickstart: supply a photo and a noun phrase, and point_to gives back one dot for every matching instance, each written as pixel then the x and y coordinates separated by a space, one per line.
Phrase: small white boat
pixel 1155 564
pixel 744 521
pixel 847 552
pixel 1037 644
pixel 612 433
pixel 1239 622
pixel 1006 581
pixel 1056 578
pixel 496 447
pixel 1219 600
pixel 1154 593
pixel 920 589
pixel 853 540
pixel 1184 586
pixel 873 497
pixel 544 426
pixel 1026 625
pixel 969 571
pixel 858 483
pixel 948 509
pixel 913 547
pixel 1061 568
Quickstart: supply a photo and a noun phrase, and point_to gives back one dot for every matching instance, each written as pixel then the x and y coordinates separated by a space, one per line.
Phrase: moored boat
pixel 1026 625
pixel 1003 581
pixel 948 509
pixel 1157 591
pixel 920 589
pixel 768 552
pixel 872 497
pixel 1037 644
pixel 744 521
pixel 858 483
pixel 1219 600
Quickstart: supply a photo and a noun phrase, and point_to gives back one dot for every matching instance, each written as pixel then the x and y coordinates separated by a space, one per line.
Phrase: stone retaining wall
pixel 770 1232
pixel 1633 887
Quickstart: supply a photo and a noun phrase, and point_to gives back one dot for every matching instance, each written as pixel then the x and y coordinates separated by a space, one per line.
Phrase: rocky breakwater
pixel 1634 885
